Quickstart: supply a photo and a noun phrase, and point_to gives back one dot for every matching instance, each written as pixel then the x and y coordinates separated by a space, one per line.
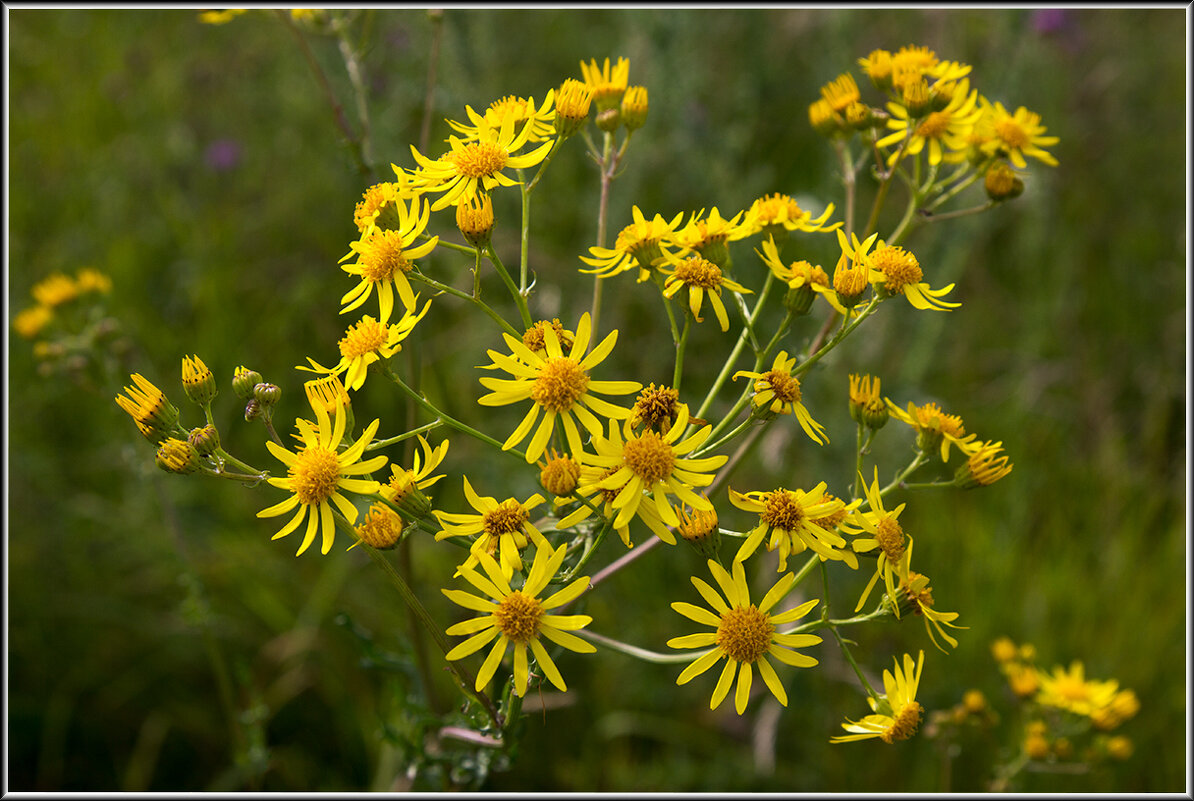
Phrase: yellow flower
pixel 560 474
pixel 572 106
pixel 745 635
pixel 1123 705
pixel 557 384
pixel 708 236
pixel 365 342
pixel 504 528
pixel 1015 136
pixel 771 212
pixel 899 273
pixel 895 547
pixel 789 517
pixel 948 127
pixel 55 289
pixel 588 483
pixel 384 257
pixel 934 427
pixel 851 276
pixel 984 467
pixel 381 528
pixel 478 164
pixel 519 618
pixel 150 409
pixel 405 487
pixel 521 110
pixel 916 596
pixel 1072 691
pixel 656 408
pixel 841 92
pixel 799 275
pixel 89 279
pixel 778 391
pixel 379 204
pixel 317 473
pixel 198 381
pixel 701 277
pixel 640 244
pixel 30 322
pixel 1004 650
pixel 866 406
pixel 222 16
pixel 897 713
pixel 608 84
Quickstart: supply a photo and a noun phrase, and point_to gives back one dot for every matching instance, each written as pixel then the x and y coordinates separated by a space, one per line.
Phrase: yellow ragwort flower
pixel 405 487
pixel 789 517
pixel 708 235
pixel 935 428
pixel 800 275
pixel 608 84
pixel 777 391
pixel 945 131
pixel 150 409
pixel 522 110
pixel 478 164
pixel 701 278
pixel 503 528
pixel 318 471
pixel 915 595
pixel 886 534
pixel 986 465
pixel 30 322
pixel 647 467
pixel 773 212
pixel 897 713
pixel 1072 691
pixel 899 273
pixel 557 384
pixel 55 289
pixel 641 244
pixel 1015 136
pixel 365 342
pixel 385 256
pixel 745 635
pixel 519 618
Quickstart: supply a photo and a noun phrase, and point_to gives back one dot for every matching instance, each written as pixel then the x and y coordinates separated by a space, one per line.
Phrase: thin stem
pixel 679 370
pixel 385 443
pixel 742 338
pixel 884 186
pixel 921 459
pixel 806 569
pixel 482 305
pixel 590 548
pixel 436 16
pixel 640 653
pixel 602 212
pixel 849 175
pixel 519 299
pixel 445 418
pixel 842 333
pixel 352 65
pixel 850 658
pixel 949 215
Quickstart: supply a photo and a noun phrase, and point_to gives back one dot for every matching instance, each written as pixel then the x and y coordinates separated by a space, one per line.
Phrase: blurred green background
pixel 158 640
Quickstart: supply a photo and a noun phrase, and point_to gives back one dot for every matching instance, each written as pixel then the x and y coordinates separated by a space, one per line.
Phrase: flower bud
pixel 559 474
pixel 916 97
pixel 573 101
pixel 1002 183
pixel 252 410
pixel 699 529
pixel 243 381
pixel 799 299
pixel 266 395
pixel 474 218
pixel 634 107
pixel 381 528
pixel 198 381
pixel 609 119
pixel 823 119
pixel 206 440
pixel 984 467
pixel 177 456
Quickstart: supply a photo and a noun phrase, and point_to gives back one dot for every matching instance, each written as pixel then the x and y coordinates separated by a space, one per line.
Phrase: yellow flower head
pixel 934 427
pixel 745 635
pixel 1014 136
pixel 535 337
pixel 365 342
pixel 572 106
pixel 771 213
pixel 500 528
pixel 945 131
pixel 588 484
pixel 898 272
pixel 379 204
pixel 916 595
pixel 385 256
pixel 841 92
pixel 89 279
pixel 986 465
pixel 150 409
pixel 30 322
pixel 789 517
pixel 405 487
pixel 645 467
pixel 198 381
pixel 381 528
pixel 558 385
pixel 777 391
pixel 701 277
pixel 608 84
pixel 877 66
pixel 866 405
pixel 708 236
pixel 317 473
pixel 656 408
pixel 55 289
pixel 885 533
pixel 641 244
pixel 560 474
pixel 634 107
pixel 804 280
pixel 519 618
pixel 521 110
pixel 478 164
pixel 897 713
pixel 1072 691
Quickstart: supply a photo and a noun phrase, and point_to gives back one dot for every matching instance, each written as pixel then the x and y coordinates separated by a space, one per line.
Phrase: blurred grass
pixel 1069 347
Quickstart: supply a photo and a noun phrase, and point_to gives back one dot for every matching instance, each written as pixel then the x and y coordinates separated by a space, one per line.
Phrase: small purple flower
pixel 1048 21
pixel 222 154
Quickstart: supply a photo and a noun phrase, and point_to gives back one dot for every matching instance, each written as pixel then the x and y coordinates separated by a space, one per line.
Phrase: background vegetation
pixel 199 167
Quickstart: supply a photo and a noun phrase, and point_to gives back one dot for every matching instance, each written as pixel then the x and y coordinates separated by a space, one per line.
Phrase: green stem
pixel 228 457
pixel 590 548
pixel 808 568
pixel 742 338
pixel 437 26
pixel 884 186
pixel 352 65
pixel 519 300
pixel 385 443
pixel 445 418
pixel 921 459
pixel 497 318
pixel 683 340
pixel 850 658
pixel 640 653
pixel 849 174
pixel 949 215
pixel 842 333
pixel 602 212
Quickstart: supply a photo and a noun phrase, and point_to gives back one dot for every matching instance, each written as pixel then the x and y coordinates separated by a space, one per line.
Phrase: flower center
pixel 1072 688
pixel 381 528
pixel 699 272
pixel 560 384
pixel 830 521
pixel 649 457
pixel 656 406
pixel 560 475
pixel 700 524
pixel 849 282
pixel 899 267
pixel 744 633
pixel 314 475
pixel 934 125
pixel 535 336
pixel 1011 133
pixel 781 511
pixel 381 256
pixel 783 384
pixel 931 417
pixel 518 617
pixel 920 599
pixel 478 159
pixel 906 723
pixel 890 538
pixel 506 519
pixel 366 336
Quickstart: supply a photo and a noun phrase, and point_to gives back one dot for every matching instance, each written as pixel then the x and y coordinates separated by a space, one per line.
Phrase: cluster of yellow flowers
pixel 653 462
